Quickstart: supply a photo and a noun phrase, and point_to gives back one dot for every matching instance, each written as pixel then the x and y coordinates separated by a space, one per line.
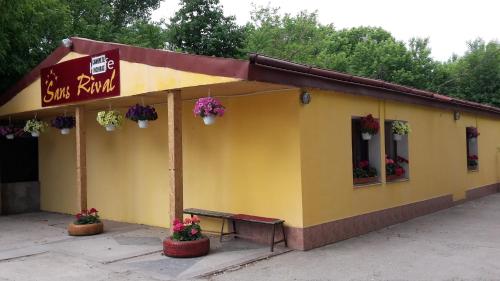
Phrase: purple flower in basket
pixel 63 122
pixel 139 112
pixel 10 130
pixel 208 106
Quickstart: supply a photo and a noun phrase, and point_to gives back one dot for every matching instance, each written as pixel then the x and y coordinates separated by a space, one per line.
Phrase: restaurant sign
pixel 85 78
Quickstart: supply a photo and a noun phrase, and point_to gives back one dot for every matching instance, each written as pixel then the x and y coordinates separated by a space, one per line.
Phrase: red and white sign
pixel 85 78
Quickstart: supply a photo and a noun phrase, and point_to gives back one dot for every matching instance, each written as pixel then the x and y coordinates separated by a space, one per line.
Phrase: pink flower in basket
pixel 208 106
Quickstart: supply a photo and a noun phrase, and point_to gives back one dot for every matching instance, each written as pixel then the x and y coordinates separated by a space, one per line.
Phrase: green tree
pixel 200 27
pixel 123 21
pixel 476 75
pixel 299 38
pixel 29 31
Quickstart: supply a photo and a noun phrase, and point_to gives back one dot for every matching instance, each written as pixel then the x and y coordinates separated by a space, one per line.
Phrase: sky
pixel 448 24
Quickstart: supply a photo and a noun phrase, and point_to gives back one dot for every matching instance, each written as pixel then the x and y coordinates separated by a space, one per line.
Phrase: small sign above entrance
pixel 85 78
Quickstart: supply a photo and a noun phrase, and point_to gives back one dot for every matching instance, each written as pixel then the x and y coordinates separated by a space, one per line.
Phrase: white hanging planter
pixel 35 134
pixel 142 123
pixel 9 136
pixel 110 128
pixel 366 136
pixel 65 131
pixel 209 120
pixel 397 137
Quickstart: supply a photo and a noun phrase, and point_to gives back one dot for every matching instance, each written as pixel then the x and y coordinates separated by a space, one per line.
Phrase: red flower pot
pixel 186 249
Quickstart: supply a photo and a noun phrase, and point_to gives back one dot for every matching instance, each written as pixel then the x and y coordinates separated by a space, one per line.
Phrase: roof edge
pixel 409 92
pixel 215 66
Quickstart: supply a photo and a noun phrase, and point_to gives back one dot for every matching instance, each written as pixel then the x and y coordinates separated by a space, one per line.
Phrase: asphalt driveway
pixel 461 243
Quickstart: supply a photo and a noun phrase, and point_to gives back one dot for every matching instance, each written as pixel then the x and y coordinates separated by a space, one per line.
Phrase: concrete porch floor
pixel 36 246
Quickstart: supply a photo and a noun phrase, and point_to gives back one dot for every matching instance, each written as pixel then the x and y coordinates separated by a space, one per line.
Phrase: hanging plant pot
pixel 9 136
pixel 366 136
pixel 64 123
pixel 143 124
pixel 397 137
pixel 208 108
pixel 142 114
pixel 109 119
pixel 34 127
pixel 209 120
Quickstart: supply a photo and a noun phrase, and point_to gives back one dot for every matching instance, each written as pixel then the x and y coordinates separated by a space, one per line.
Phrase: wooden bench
pixel 233 218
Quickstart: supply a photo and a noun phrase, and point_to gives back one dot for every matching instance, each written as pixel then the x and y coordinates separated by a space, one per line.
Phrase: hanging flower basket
pixel 110 119
pixel 8 131
pixel 64 123
pixel 208 108
pixel 35 127
pixel 187 240
pixel 142 114
pixel 400 129
pixel 369 127
pixel 86 223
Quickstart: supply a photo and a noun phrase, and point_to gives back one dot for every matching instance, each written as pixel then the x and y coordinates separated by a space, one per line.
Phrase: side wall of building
pixel 334 209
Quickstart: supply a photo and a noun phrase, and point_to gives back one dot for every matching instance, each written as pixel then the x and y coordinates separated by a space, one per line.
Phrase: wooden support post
pixel 81 158
pixel 175 154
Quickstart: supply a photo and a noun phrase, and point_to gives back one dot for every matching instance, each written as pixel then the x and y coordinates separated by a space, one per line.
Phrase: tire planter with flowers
pixel 141 114
pixel 208 108
pixel 110 119
pixel 187 240
pixel 86 223
pixel 64 123
pixel 369 127
pixel 35 127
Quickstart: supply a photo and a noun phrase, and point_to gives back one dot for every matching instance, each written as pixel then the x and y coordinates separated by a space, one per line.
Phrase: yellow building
pixel 290 145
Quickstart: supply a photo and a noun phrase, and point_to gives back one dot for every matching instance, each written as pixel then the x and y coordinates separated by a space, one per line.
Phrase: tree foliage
pixel 200 27
pixel 31 29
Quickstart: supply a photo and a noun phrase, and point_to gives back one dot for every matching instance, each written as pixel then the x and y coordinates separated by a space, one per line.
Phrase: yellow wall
pixel 57 171
pixel 248 161
pixel 437 154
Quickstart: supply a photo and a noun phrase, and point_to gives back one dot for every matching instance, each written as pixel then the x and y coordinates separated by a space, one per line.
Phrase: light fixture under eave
pixel 456 115
pixel 305 98
pixel 67 43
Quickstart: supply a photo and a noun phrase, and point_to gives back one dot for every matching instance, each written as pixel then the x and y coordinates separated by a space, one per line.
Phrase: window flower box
pixel 360 181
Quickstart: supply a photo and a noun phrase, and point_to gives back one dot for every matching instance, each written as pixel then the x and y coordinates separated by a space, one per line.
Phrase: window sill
pixel 361 185
pixel 472 170
pixel 397 180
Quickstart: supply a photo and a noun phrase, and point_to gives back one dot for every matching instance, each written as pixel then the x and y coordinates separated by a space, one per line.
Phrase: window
pixel 365 150
pixel 471 134
pixel 396 150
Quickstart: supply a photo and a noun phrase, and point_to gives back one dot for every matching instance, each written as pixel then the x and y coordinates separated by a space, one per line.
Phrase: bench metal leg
pixel 222 230
pixel 272 238
pixel 234 229
pixel 284 235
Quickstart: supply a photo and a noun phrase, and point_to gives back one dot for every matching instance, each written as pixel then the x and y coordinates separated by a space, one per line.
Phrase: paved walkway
pixel 461 243
pixel 36 246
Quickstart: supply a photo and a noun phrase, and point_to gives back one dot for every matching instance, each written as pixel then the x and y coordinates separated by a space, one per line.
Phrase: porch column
pixel 81 158
pixel 175 154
